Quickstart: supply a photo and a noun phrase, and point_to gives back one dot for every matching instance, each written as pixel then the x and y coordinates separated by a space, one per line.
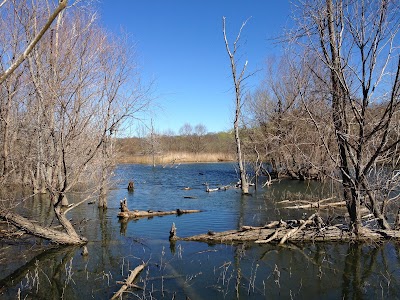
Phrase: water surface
pixel 192 269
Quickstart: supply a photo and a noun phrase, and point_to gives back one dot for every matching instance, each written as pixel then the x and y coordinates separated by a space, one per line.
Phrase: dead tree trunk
pixel 237 80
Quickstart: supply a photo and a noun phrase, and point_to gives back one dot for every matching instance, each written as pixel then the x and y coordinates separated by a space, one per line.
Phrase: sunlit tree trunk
pixel 237 81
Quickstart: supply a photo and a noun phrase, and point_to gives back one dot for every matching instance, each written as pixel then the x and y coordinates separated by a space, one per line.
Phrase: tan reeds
pixel 174 158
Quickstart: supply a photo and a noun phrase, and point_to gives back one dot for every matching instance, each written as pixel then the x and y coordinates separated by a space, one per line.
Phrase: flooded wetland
pixel 194 270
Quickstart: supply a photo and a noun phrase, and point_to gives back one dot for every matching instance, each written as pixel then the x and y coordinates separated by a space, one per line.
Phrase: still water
pixel 191 269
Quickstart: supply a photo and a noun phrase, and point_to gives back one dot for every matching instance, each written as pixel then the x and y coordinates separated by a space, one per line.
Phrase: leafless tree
pixel 80 84
pixel 200 131
pixel 16 61
pixel 13 55
pixel 238 78
pixel 357 42
pixel 186 129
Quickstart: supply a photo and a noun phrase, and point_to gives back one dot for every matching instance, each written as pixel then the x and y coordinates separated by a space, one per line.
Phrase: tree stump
pixel 85 251
pixel 123 206
pixel 172 233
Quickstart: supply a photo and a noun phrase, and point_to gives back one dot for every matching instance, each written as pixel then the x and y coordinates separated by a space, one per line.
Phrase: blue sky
pixel 179 44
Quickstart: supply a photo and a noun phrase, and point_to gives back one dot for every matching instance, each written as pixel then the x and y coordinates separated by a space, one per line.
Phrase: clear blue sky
pixel 180 44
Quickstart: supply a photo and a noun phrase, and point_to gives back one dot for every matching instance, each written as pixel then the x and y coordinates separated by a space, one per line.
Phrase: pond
pixel 193 270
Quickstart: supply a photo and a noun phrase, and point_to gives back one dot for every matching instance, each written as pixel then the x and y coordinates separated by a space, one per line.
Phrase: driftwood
pixel 129 281
pixel 313 230
pixel 126 213
pixel 270 238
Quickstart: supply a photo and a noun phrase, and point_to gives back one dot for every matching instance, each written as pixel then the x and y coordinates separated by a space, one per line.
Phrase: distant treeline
pixel 165 148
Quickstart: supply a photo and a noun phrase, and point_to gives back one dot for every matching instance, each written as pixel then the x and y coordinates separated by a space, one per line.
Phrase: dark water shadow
pixel 28 274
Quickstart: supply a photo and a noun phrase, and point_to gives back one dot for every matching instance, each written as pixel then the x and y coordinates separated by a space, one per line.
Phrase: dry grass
pixel 175 157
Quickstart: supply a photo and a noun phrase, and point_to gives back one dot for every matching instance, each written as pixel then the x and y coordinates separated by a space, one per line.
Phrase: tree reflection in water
pixel 298 271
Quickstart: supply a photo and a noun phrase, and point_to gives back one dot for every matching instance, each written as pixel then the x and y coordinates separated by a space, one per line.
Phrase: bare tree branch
pixel 62 4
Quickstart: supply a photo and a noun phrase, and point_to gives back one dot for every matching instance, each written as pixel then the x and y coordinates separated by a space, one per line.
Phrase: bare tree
pixel 356 42
pixel 200 131
pixel 62 4
pixel 81 84
pixel 154 143
pixel 186 129
pixel 238 78
pixel 12 55
pixel 185 132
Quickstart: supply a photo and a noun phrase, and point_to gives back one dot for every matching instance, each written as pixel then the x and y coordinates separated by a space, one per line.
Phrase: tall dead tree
pixel 238 78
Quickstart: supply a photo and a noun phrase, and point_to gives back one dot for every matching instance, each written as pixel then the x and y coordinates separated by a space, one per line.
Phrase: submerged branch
pixel 129 281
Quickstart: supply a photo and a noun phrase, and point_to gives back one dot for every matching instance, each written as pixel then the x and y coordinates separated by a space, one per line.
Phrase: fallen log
pixel 135 214
pixel 318 205
pixel 151 213
pixel 129 281
pixel 311 230
pixel 304 201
